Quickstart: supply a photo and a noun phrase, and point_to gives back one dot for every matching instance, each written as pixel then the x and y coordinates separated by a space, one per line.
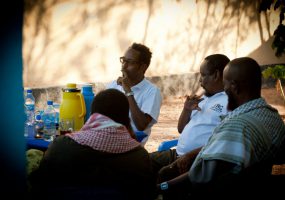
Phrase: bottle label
pixel 30 107
pixel 49 124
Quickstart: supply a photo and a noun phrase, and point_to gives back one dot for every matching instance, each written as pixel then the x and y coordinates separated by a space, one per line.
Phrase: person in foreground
pixel 250 135
pixel 101 161
pixel 199 117
pixel 144 97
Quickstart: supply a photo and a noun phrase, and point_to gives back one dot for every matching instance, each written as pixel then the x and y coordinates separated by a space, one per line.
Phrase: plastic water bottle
pixel 39 126
pixel 56 107
pixel 87 92
pixel 30 113
pixel 49 119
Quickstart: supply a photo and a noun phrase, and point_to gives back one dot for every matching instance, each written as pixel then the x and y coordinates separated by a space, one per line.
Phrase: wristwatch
pixel 131 93
pixel 164 186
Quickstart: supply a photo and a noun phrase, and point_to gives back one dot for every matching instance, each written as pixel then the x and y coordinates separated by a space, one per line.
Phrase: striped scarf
pixel 251 133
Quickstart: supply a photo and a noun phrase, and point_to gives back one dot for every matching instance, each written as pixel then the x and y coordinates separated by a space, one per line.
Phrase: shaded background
pixel 12 143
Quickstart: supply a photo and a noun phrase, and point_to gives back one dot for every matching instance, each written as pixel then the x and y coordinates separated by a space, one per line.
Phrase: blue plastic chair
pixel 140 135
pixel 165 145
pixel 33 143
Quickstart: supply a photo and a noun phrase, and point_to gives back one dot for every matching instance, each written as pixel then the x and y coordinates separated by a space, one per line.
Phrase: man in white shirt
pixel 237 160
pixel 199 117
pixel 143 96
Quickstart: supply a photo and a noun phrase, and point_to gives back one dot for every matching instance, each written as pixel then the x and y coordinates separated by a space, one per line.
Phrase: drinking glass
pixel 66 125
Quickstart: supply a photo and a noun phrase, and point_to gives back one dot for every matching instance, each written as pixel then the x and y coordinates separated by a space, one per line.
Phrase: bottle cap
pixel 71 87
pixel 87 89
pixel 38 117
pixel 49 102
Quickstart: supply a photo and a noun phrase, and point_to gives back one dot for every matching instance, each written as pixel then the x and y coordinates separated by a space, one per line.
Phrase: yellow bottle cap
pixel 71 85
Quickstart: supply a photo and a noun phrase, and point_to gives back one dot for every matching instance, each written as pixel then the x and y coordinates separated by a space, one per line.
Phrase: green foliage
pixel 276 72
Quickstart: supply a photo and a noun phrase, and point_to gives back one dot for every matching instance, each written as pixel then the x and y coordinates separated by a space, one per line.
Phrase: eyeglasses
pixel 123 60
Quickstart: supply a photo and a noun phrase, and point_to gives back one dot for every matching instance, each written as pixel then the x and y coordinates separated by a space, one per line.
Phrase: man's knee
pixel 168 172
pixel 162 158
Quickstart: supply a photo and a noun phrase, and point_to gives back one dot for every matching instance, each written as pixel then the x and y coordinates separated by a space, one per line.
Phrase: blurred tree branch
pixel 279 33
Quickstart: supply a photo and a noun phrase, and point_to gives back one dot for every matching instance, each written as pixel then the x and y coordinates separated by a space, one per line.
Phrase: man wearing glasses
pixel 143 96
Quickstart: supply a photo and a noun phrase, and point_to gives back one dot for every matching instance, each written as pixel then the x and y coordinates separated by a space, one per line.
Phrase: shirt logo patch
pixel 217 108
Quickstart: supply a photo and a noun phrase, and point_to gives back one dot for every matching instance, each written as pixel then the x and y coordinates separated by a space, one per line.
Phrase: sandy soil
pixel 166 128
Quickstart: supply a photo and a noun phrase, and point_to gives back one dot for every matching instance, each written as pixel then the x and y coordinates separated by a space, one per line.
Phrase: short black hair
pixel 113 104
pixel 217 62
pixel 145 53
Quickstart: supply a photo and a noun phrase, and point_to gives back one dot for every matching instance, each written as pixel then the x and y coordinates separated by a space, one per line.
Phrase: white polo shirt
pixel 197 132
pixel 148 98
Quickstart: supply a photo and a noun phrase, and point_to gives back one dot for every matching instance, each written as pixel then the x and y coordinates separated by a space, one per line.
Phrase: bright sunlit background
pixel 81 40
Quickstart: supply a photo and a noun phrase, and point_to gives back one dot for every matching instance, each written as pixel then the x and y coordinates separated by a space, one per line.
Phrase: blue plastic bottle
pixel 30 113
pixel 87 92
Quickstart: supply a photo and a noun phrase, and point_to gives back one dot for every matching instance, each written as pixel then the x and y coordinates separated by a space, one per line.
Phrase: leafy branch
pixel 277 72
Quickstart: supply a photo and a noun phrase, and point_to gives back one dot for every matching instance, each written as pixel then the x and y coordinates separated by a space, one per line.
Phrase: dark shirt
pixel 67 164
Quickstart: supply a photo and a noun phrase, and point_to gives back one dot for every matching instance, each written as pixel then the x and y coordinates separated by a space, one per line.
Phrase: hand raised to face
pixel 192 101
pixel 124 82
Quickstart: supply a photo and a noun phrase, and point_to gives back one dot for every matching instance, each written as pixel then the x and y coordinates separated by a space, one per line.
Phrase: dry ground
pixel 166 129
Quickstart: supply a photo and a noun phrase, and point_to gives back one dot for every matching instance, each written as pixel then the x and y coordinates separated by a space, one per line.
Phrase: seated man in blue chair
pixel 143 96
pixel 249 138
pixel 200 115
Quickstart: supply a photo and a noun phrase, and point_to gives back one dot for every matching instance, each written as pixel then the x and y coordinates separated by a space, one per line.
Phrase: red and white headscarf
pixel 103 134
